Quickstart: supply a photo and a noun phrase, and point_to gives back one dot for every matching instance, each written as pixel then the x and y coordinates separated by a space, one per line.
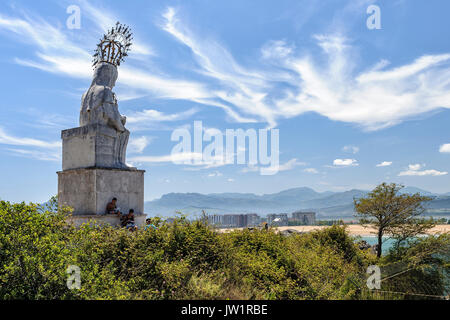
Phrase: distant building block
pixel 215 220
pixel 252 219
pixel 307 218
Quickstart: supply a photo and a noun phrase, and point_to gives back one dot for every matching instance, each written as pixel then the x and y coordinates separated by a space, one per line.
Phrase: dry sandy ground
pixel 354 229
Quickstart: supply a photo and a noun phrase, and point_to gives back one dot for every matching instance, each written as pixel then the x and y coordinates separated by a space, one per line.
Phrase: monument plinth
pixel 93 145
pixel 89 190
pixel 94 169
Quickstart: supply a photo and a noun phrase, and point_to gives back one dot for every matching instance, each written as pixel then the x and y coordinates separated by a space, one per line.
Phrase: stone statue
pixel 99 103
pixel 99 106
pixel 94 169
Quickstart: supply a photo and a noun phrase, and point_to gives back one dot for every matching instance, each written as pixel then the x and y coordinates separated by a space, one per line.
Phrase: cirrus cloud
pixel 285 83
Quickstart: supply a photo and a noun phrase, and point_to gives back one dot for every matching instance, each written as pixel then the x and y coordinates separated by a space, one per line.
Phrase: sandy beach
pixel 353 229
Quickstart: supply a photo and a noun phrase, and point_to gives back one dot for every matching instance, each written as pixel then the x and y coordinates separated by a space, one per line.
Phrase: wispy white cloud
pixel 8 139
pixel 414 170
pixel 288 165
pixel 374 99
pixel 332 85
pixel 59 54
pixel 445 148
pixel 414 167
pixel 176 157
pixel 105 19
pixel 384 164
pixel 36 149
pixel 277 49
pixel 39 32
pixel 350 149
pixel 190 159
pixel 138 145
pixel 36 154
pixel 242 90
pixel 151 115
pixel 311 170
pixel 291 164
pixel 345 162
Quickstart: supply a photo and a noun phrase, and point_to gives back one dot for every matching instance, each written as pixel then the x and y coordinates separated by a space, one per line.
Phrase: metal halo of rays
pixel 114 46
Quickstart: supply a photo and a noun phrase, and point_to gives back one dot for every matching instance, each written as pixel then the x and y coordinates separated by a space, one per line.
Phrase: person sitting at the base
pixel 111 208
pixel 127 220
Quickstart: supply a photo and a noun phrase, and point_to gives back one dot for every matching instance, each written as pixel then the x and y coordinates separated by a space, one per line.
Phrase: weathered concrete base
pixel 94 145
pixel 89 190
pixel 110 220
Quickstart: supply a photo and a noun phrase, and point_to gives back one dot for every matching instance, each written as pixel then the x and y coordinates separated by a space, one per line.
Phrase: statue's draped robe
pixel 99 106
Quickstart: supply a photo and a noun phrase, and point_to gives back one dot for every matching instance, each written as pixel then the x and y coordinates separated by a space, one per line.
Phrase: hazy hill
pixel 336 199
pixel 326 204
pixel 418 190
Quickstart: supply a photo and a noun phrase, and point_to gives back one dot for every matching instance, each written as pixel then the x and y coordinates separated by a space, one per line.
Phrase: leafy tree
pixel 393 213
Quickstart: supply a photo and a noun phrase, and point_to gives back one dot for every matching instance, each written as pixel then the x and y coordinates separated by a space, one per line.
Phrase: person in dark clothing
pixel 127 221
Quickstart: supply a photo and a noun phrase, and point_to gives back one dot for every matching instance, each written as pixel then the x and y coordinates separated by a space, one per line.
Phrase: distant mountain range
pixel 326 204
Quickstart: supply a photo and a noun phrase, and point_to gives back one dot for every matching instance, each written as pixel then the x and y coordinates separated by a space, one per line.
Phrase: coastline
pixel 353 229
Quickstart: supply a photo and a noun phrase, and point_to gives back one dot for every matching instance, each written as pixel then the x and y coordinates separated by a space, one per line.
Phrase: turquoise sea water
pixel 387 242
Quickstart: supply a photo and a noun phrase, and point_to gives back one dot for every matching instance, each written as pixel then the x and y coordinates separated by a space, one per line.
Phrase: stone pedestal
pixel 89 146
pixel 88 190
pixel 93 175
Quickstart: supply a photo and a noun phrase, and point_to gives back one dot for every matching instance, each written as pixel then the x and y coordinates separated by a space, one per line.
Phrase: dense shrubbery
pixel 180 260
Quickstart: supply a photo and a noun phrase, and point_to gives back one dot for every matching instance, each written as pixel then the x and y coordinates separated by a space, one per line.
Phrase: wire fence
pixel 367 294
pixel 400 281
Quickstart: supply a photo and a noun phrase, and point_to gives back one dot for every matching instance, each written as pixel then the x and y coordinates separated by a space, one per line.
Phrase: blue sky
pixel 354 107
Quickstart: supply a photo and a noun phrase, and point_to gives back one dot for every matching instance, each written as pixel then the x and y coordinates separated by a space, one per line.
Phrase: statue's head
pixel 111 51
pixel 105 74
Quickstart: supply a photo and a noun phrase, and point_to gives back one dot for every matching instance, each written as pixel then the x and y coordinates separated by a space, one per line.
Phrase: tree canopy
pixel 393 213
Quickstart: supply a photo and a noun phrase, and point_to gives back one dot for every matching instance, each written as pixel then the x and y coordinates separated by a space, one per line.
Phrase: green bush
pixel 34 253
